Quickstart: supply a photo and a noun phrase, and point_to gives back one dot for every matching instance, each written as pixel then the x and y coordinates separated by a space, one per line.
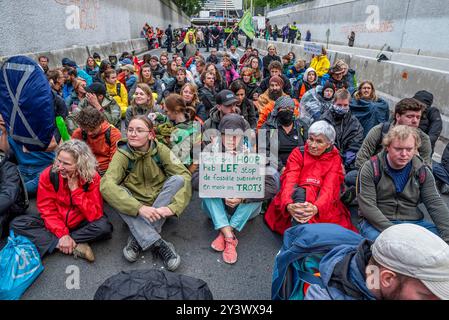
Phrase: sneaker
pixel 230 252
pixel 167 252
pixel 132 250
pixel 444 189
pixel 84 251
pixel 219 243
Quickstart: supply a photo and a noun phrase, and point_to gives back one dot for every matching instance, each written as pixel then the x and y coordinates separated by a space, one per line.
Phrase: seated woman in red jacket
pixel 69 203
pixel 310 184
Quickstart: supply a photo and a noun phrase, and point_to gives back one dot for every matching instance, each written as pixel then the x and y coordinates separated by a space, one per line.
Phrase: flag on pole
pixel 246 25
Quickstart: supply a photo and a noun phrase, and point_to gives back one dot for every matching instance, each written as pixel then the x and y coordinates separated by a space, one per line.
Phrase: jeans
pixel 216 210
pixel 31 176
pixel 369 232
pixel 145 232
pixel 440 172
pixel 351 178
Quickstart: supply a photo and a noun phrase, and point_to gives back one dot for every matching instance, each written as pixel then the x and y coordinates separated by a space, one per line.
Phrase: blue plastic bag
pixel 20 265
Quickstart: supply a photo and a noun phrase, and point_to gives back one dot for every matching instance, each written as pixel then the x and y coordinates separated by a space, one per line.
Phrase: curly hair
pixel 89 118
pixel 85 161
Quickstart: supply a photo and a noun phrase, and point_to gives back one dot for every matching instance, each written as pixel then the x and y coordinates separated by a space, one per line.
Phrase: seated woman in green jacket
pixel 146 183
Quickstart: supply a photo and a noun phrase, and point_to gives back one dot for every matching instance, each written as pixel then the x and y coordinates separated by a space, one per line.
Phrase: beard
pixel 274 95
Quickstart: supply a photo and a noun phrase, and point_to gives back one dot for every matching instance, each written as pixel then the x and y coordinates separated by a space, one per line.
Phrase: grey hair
pixel 85 161
pixel 324 128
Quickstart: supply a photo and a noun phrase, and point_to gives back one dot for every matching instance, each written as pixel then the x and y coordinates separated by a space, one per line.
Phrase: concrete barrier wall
pixel 409 26
pixel 393 80
pixel 47 25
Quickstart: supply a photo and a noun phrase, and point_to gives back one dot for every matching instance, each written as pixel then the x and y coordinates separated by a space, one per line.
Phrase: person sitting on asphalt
pixel 189 93
pixel 220 83
pixel 349 131
pixel 116 90
pixel 297 70
pixel 129 77
pixel 310 184
pixel 100 136
pixel 246 106
pixel 208 91
pixel 252 89
pixel 441 171
pixel 10 184
pixel 146 76
pixel 69 204
pixel 91 67
pixel 341 76
pixel 78 94
pixel 392 184
pixel 70 76
pixel 229 73
pixel 146 184
pixel 321 63
pixel 430 123
pixel 66 62
pixel 308 81
pixel 181 80
pixel 270 57
pixel 275 69
pixel 213 57
pixel 103 67
pixel 284 132
pixel 406 262
pixel 231 214
pixel 98 98
pixel 157 70
pixel 368 107
pixel 143 103
pixel 200 67
pixel 407 112
pixel 253 63
pixel 266 101
pixel 316 102
pixel 43 63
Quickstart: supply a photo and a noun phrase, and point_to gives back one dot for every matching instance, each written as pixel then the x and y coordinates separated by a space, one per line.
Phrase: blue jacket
pixel 370 113
pixel 31 162
pixel 302 240
pixel 342 271
pixel 83 74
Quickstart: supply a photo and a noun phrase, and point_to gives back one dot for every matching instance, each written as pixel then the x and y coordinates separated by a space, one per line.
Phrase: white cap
pixel 416 252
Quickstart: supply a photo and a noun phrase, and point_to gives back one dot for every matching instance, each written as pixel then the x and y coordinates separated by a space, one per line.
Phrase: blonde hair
pixel 85 161
pixel 150 105
pixel 401 132
pixel 193 88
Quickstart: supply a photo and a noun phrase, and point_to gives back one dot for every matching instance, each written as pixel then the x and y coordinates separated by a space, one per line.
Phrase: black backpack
pixel 54 179
pixel 152 285
pixel 107 136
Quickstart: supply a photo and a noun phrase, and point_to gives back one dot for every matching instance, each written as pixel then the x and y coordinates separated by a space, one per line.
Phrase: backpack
pixel 383 132
pixel 20 265
pixel 54 179
pixel 297 265
pixel 152 285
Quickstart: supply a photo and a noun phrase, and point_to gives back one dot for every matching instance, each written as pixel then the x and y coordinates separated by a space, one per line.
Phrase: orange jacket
pixel 99 146
pixel 265 106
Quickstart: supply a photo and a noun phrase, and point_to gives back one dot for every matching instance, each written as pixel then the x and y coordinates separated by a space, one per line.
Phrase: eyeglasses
pixel 136 131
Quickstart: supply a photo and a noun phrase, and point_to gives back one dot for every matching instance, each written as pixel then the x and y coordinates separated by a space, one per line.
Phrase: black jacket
pixel 266 62
pixel 431 124
pixel 251 89
pixel 207 97
pixel 265 84
pixel 349 134
pixel 248 111
pixel 9 185
pixel 159 72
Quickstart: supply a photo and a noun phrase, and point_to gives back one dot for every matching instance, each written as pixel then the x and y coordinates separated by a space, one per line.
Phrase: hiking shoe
pixel 167 252
pixel 132 250
pixel 230 252
pixel 219 243
pixel 83 251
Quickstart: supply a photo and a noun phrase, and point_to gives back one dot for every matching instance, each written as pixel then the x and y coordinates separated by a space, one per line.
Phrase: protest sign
pixel 312 48
pixel 223 175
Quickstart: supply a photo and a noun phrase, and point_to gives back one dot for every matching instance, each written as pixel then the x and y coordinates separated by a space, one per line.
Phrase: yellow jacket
pixel 122 99
pixel 321 64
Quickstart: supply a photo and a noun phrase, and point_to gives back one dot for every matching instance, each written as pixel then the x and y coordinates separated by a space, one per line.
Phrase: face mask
pixel 340 110
pixel 285 117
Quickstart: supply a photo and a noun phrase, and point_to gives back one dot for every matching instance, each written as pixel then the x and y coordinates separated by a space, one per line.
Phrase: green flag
pixel 246 25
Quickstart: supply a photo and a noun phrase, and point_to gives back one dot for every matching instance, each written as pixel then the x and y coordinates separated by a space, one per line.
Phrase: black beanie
pixel 425 97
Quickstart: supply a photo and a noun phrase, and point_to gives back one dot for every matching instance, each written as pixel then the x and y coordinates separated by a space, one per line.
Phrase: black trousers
pixel 33 227
pixel 207 42
pixel 169 43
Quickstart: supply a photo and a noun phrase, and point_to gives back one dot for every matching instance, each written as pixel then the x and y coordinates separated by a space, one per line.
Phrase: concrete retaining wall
pixel 393 80
pixel 48 25
pixel 408 26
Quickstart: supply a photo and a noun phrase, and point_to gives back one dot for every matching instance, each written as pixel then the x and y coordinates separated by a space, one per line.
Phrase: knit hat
pixel 284 102
pixel 328 85
pixel 278 80
pixel 425 97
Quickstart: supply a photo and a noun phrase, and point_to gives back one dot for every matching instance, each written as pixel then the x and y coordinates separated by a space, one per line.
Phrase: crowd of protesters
pixel 135 125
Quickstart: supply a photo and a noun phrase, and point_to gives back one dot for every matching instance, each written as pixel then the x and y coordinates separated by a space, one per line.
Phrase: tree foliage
pixel 264 3
pixel 190 7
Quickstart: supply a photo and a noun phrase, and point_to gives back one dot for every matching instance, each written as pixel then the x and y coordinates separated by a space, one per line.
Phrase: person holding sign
pixel 146 183
pixel 320 63
pixel 231 214
pixel 310 184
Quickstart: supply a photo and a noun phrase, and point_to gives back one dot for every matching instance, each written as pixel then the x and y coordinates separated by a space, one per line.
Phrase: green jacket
pixel 372 145
pixel 127 191
pixel 380 204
